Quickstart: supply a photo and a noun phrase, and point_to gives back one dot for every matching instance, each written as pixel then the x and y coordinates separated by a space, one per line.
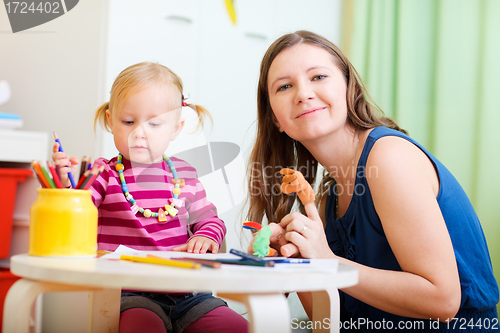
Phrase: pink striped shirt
pixel 151 186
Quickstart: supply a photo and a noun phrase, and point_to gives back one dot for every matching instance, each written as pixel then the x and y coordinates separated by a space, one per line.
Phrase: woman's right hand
pixel 65 164
pixel 278 242
pixel 306 233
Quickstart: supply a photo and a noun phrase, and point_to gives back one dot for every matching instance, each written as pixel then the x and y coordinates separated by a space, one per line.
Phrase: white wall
pixel 54 71
pixel 61 71
pixel 54 74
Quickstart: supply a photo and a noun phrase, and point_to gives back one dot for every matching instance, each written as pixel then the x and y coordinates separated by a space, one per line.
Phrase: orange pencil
pixel 39 174
pixel 55 176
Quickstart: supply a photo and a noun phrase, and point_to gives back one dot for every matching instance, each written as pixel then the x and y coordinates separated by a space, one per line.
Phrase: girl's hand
pixel 198 244
pixel 278 242
pixel 65 163
pixel 307 233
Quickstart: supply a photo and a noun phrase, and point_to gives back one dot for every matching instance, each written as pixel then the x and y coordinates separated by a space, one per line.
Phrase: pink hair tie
pixel 184 100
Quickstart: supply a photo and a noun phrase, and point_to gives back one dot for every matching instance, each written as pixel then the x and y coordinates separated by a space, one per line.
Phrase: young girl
pixel 400 216
pixel 151 202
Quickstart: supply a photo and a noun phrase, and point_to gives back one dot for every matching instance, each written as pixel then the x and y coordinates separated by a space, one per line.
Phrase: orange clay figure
pixel 294 181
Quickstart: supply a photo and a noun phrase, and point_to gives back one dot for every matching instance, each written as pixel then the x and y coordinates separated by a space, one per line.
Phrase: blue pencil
pixel 246 256
pixel 253 258
pixel 70 175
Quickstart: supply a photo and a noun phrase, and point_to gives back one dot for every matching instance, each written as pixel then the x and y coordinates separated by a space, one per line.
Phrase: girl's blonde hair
pixel 135 78
pixel 274 150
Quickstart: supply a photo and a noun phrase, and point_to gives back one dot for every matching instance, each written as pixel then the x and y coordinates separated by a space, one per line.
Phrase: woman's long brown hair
pixel 273 150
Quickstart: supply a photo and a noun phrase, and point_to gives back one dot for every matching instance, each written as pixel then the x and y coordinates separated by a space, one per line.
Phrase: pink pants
pixel 219 320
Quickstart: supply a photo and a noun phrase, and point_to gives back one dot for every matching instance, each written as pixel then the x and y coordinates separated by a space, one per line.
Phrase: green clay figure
pixel 261 242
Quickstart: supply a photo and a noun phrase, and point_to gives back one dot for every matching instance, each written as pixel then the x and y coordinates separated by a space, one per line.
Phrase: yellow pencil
pixel 161 261
pixel 100 253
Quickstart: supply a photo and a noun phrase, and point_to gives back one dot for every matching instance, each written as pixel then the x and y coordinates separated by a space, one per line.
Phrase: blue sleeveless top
pixel 359 236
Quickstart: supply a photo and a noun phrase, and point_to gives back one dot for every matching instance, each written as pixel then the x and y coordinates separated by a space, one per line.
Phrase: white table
pixel 260 289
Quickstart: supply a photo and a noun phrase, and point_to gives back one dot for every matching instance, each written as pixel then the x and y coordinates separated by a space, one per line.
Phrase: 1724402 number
pixel 24 7
pixel 468 324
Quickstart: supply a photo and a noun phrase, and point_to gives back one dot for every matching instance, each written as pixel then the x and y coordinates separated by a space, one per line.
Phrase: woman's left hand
pixel 278 242
pixel 199 244
pixel 307 233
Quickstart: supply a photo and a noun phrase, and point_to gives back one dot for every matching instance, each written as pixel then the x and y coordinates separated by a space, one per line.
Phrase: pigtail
pixel 101 118
pixel 202 113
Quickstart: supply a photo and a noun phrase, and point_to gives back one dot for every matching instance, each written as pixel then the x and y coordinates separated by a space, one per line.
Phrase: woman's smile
pixel 310 112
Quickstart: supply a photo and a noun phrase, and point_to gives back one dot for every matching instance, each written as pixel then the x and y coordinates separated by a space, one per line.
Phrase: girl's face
pixel 307 92
pixel 147 122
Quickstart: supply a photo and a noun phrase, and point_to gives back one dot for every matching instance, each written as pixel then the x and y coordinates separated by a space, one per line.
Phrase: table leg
pixel 326 304
pixel 104 311
pixel 267 312
pixel 20 298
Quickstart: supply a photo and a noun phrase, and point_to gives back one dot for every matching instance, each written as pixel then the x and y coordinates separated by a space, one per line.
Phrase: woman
pixel 399 216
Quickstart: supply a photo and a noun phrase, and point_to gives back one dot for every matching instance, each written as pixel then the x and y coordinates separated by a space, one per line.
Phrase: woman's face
pixel 307 92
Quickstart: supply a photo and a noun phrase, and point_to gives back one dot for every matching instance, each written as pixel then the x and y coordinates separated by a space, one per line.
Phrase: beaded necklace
pixel 173 202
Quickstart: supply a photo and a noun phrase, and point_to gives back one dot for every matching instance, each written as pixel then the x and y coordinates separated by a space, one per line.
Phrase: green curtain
pixel 434 66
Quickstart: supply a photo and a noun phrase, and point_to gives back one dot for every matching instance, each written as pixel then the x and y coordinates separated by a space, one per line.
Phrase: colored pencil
pixel 89 164
pixel 83 167
pixel 58 171
pixel 244 262
pixel 96 171
pixel 291 260
pixel 203 262
pixel 70 175
pixel 55 177
pixel 162 261
pixel 49 179
pixel 87 179
pixel 246 256
pixel 100 253
pixel 39 174
pixel 82 179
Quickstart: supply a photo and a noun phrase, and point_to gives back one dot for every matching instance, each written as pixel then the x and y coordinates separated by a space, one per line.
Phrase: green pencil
pixel 49 179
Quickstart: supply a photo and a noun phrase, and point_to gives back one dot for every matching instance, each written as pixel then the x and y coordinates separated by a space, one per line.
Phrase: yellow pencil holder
pixel 63 222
